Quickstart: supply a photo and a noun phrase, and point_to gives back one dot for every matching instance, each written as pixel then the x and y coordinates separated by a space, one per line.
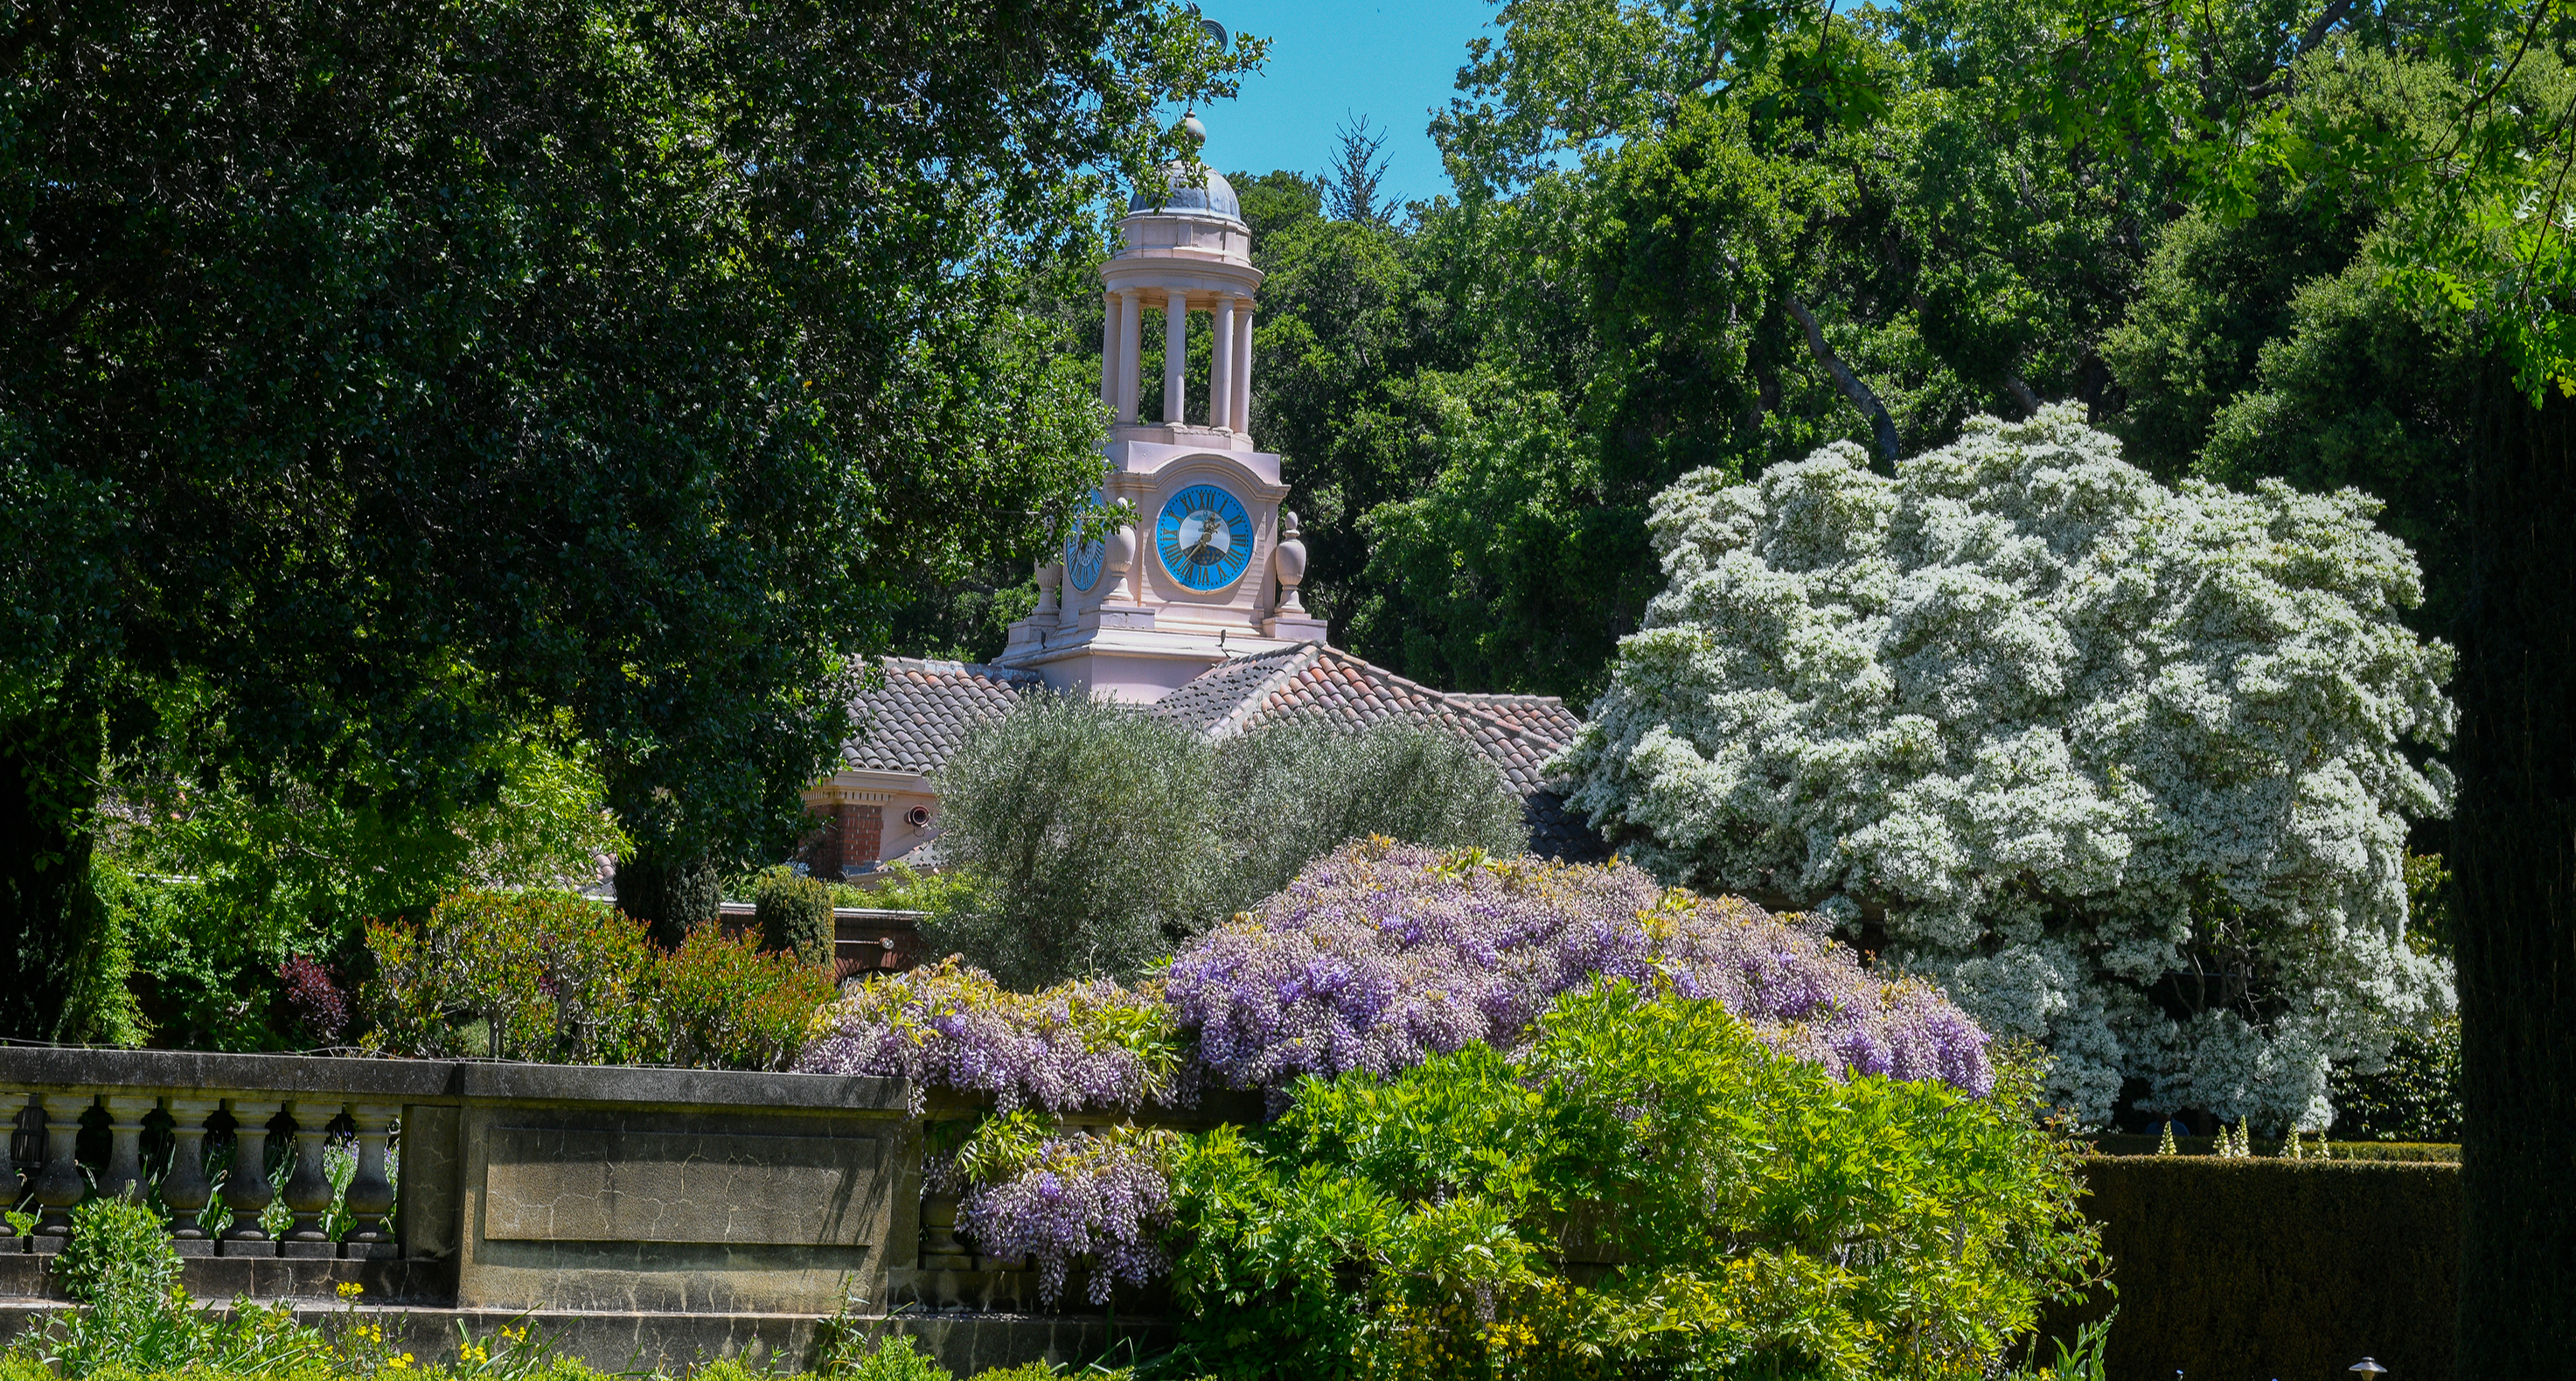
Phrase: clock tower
pixel 1209 571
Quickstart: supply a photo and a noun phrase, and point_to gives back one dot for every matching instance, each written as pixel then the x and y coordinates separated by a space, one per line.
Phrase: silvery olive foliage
pixel 2125 768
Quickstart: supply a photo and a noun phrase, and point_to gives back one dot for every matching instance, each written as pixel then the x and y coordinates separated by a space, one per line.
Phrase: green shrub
pixel 1296 792
pixel 943 897
pixel 118 1255
pixel 1100 836
pixel 794 915
pixel 1093 825
pixel 1649 1190
pixel 553 977
pixel 545 976
pixel 720 1003
pixel 892 1358
pixel 2415 1096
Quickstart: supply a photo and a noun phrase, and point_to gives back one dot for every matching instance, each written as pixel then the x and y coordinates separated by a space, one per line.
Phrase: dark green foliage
pixel 2274 1267
pixel 1274 201
pixel 671 895
pixel 63 960
pixel 2414 1097
pixel 1099 836
pixel 794 915
pixel 379 381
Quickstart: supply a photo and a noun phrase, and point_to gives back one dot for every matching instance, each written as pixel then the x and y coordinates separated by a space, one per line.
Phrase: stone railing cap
pixel 386 1080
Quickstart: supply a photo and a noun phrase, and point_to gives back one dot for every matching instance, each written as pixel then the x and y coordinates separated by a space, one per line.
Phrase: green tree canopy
pixel 377 380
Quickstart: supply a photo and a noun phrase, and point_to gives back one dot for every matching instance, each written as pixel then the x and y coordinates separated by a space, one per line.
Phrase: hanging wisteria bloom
pixel 1102 1196
pixel 1380 956
pixel 1078 1045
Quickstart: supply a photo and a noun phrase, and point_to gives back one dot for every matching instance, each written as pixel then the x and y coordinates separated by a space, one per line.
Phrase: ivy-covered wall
pixel 2275 1268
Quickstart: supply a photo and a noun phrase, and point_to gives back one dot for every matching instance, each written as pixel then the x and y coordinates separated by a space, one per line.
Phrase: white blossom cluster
pixel 2124 768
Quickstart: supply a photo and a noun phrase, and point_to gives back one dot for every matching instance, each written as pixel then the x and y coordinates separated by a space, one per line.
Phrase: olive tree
pixel 1102 835
pixel 2125 767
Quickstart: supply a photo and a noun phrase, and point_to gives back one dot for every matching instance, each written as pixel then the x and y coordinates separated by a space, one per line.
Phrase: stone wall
pixel 651 1216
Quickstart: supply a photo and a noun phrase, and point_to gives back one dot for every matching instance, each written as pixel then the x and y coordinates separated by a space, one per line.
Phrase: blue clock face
pixel 1082 563
pixel 1205 537
pixel 1082 559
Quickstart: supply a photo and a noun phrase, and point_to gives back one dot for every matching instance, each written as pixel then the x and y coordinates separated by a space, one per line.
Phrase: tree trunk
pixel 2514 842
pixel 672 895
pixel 54 950
pixel 1881 426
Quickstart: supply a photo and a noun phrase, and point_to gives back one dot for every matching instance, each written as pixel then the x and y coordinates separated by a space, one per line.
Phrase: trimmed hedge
pixel 795 916
pixel 2124 1144
pixel 2274 1268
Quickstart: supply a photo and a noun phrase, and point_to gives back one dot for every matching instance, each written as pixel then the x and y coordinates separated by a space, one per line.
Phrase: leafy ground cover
pixel 135 1321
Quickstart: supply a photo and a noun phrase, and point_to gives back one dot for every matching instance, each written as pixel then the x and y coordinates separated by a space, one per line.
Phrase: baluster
pixel 187 1189
pixel 308 1190
pixel 246 1189
pixel 26 1124
pixel 123 1177
pixel 371 1195
pixel 60 1186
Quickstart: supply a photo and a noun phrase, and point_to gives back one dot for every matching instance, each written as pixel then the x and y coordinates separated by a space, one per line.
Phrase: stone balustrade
pixel 664 1215
pixel 527 1186
pixel 202 1141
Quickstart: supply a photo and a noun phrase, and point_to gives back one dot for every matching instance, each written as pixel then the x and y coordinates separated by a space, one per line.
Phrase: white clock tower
pixel 1210 570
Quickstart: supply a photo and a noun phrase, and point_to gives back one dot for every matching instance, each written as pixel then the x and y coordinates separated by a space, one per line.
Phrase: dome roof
pixel 1213 196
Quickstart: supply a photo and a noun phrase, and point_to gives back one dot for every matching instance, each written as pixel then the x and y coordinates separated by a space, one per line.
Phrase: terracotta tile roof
pixel 1215 701
pixel 1544 715
pixel 1317 683
pixel 919 716
pixel 922 712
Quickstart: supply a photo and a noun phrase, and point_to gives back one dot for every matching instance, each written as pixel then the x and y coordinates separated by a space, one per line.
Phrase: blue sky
pixel 1392 62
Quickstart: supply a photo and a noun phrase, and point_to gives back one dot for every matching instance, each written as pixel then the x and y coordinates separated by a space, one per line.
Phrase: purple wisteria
pixel 1378 957
pixel 1075 1046
pixel 1105 1196
pixel 1381 956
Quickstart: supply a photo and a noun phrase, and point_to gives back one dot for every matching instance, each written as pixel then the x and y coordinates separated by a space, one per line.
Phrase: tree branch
pixel 1852 388
pixel 2322 25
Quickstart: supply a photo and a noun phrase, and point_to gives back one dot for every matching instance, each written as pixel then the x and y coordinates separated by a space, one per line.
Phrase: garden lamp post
pixel 2367 1369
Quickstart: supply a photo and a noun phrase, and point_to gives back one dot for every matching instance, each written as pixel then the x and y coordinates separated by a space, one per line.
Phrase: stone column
pixel 1220 411
pixel 1110 303
pixel 371 1195
pixel 308 1190
pixel 59 1186
pixel 187 1189
pixel 1131 350
pixel 1176 356
pixel 123 1177
pixel 246 1189
pixel 1241 407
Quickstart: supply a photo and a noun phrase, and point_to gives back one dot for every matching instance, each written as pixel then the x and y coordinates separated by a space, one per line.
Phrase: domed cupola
pixel 1209 195
pixel 1184 250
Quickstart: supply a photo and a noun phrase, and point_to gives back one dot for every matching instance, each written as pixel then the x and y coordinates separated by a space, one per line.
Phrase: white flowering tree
pixel 2125 768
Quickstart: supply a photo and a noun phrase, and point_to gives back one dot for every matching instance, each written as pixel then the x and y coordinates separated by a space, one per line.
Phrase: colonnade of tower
pixel 1229 395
